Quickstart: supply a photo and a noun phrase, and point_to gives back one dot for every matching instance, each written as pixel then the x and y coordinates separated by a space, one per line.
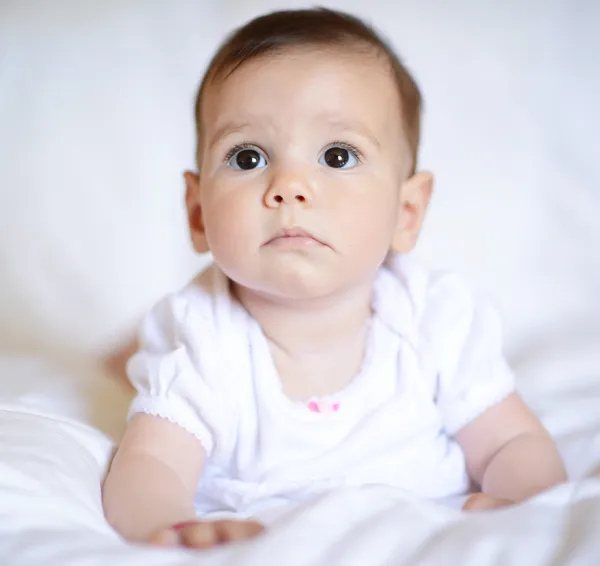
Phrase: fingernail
pixel 182 525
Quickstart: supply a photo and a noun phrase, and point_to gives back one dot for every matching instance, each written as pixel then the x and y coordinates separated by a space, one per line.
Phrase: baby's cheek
pixel 370 239
pixel 227 233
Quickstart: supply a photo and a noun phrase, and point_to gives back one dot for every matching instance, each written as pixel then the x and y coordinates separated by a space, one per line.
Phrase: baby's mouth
pixel 294 238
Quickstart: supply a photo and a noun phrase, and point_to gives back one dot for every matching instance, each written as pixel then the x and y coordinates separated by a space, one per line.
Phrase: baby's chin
pixel 299 283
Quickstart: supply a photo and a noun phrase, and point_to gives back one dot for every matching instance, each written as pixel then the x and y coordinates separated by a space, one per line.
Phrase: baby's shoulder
pixel 444 302
pixel 194 305
pixel 448 294
pixel 433 292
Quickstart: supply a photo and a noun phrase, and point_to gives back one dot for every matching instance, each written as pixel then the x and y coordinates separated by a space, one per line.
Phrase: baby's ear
pixel 194 212
pixel 415 194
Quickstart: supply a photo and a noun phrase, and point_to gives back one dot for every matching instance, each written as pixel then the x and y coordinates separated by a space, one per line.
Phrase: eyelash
pixel 239 147
pixel 246 145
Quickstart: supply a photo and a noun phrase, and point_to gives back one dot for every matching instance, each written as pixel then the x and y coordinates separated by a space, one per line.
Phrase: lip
pixel 294 237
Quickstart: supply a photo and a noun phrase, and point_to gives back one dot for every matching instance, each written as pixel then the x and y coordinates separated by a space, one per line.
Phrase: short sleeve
pixel 473 372
pixel 167 372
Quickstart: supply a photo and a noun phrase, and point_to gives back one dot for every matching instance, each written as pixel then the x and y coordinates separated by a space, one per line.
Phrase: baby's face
pixel 301 164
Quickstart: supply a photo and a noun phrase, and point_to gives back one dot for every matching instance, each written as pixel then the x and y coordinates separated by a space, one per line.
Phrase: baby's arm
pixel 509 453
pixel 152 479
pixel 151 484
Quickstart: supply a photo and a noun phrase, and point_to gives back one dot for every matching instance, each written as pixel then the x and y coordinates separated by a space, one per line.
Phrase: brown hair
pixel 318 27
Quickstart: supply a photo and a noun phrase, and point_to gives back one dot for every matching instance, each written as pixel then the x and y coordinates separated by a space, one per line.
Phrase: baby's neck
pixel 317 346
pixel 305 328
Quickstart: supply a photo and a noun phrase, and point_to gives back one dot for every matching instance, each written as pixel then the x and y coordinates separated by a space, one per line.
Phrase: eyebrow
pixel 345 125
pixel 353 126
pixel 225 130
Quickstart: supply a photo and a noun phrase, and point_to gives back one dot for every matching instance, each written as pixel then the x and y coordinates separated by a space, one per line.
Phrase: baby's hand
pixel 206 534
pixel 485 502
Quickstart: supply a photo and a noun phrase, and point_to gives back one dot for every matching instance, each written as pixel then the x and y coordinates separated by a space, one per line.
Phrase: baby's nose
pixel 288 189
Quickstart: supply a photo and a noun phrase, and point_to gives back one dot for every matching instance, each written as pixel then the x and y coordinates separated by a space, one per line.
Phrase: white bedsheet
pixel 57 425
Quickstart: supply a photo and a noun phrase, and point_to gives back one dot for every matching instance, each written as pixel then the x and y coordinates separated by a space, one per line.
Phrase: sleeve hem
pixel 159 407
pixel 466 413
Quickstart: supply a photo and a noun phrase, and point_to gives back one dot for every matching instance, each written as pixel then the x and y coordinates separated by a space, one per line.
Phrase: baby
pixel 315 352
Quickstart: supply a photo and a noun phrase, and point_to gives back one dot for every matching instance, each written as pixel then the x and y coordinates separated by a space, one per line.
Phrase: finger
pixel 229 531
pixel 475 501
pixel 199 535
pixel 482 502
pixel 166 537
pixel 504 502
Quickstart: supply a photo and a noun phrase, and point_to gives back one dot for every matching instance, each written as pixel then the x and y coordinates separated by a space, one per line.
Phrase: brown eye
pixel 339 158
pixel 336 157
pixel 246 159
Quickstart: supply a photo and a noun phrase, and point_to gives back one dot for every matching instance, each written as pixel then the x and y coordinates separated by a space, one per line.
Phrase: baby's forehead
pixel 336 73
pixel 331 89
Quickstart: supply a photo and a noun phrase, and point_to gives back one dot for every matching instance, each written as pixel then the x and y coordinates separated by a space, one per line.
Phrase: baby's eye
pixel 339 157
pixel 246 159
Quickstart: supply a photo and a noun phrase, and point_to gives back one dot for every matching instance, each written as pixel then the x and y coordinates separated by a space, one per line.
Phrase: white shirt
pixel 433 363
